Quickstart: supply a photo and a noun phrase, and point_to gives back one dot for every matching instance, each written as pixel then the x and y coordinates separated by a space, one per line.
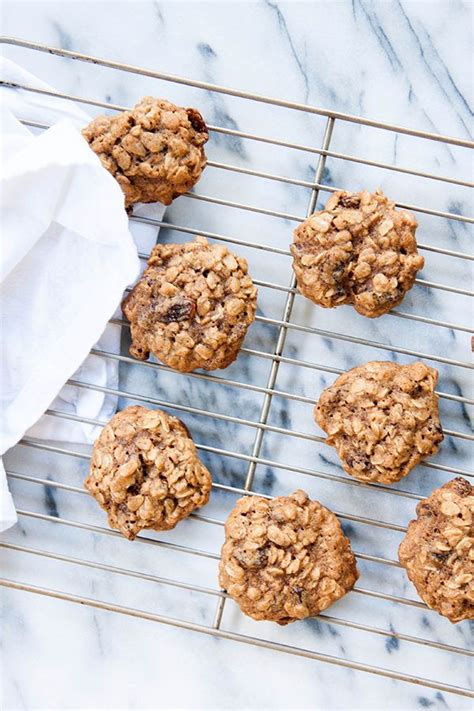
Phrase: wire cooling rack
pixel 263 426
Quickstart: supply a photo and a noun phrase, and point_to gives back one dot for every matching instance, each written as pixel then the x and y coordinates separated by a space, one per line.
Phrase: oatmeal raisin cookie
pixel 438 550
pixel 192 306
pixel 359 250
pixel 382 418
pixel 285 559
pixel 145 472
pixel 154 151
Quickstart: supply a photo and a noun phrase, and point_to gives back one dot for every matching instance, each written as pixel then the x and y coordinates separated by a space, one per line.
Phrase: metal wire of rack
pixel 268 391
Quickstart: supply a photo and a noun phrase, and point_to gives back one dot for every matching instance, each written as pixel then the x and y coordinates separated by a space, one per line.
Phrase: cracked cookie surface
pixel 382 418
pixel 438 550
pixel 192 306
pixel 359 250
pixel 154 151
pixel 145 472
pixel 285 559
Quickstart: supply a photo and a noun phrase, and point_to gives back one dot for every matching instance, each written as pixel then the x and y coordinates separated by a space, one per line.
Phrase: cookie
pixel 145 472
pixel 438 550
pixel 359 250
pixel 382 418
pixel 192 306
pixel 155 151
pixel 285 559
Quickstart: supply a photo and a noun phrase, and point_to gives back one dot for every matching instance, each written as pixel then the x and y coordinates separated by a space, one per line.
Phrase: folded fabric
pixel 67 255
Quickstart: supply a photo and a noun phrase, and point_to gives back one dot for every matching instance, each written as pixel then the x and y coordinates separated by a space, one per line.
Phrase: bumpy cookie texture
pixel 359 250
pixel 438 550
pixel 285 559
pixel 145 472
pixel 155 151
pixel 382 418
pixel 192 306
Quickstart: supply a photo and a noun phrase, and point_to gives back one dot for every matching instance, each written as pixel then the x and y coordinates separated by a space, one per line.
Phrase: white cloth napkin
pixel 67 255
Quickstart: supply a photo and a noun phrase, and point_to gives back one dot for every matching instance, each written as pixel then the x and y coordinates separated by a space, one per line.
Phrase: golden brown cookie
pixel 285 559
pixel 155 151
pixel 192 306
pixel 438 550
pixel 382 418
pixel 359 250
pixel 145 472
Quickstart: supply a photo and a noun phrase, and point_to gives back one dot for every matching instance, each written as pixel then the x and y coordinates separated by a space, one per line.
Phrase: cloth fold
pixel 67 255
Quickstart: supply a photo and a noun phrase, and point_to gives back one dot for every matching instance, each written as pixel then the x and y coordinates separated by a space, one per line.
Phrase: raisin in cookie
pixel 285 559
pixel 155 151
pixel 192 306
pixel 438 550
pixel 145 472
pixel 382 418
pixel 359 250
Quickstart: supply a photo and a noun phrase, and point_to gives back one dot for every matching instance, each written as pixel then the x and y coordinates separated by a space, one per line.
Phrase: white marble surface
pixel 403 62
